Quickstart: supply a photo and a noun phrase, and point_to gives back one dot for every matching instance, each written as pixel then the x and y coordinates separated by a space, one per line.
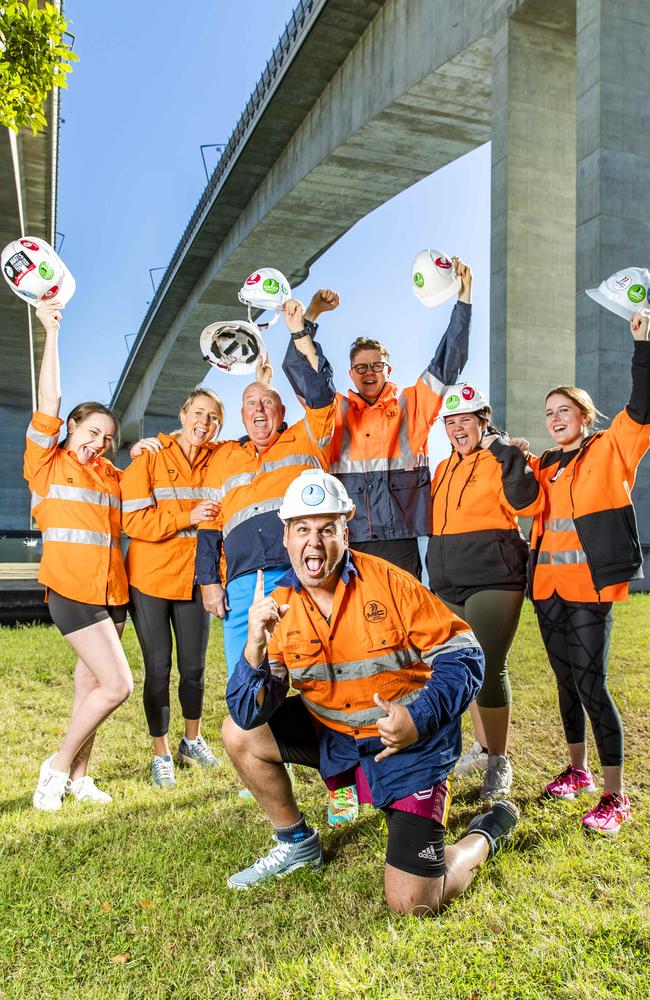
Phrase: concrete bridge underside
pixel 377 95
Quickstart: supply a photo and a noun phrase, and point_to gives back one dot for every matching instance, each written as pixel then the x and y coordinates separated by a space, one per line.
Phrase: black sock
pixel 293 834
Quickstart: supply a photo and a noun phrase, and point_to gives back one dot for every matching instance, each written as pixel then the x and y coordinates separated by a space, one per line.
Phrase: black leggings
pixel 577 636
pixel 152 617
pixel 402 552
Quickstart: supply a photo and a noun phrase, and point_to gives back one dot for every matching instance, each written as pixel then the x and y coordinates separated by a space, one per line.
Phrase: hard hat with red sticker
pixel 624 293
pixel 462 398
pixel 266 289
pixel 35 272
pixel 433 279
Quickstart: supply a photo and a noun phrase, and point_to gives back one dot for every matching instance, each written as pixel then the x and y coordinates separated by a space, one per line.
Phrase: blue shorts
pixel 239 594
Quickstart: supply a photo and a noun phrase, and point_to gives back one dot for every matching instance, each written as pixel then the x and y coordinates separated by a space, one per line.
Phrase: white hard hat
pixel 625 292
pixel 35 272
pixel 462 398
pixel 232 346
pixel 433 279
pixel 315 492
pixel 266 289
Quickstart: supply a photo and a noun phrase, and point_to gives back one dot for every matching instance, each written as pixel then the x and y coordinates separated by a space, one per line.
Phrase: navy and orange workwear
pixel 158 492
pixel 584 543
pixel 77 509
pixel 250 486
pixel 386 634
pixel 380 449
pixel 475 541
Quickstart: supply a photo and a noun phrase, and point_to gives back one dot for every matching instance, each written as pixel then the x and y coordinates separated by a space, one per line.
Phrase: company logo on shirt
pixel 374 611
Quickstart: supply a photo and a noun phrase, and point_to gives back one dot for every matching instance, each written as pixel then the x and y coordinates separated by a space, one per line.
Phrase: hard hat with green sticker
pixel 636 293
pixel 271 286
pixel 418 279
pixel 452 402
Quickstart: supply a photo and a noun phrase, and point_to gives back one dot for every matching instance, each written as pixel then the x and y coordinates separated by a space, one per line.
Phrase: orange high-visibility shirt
pixel 77 509
pixel 158 492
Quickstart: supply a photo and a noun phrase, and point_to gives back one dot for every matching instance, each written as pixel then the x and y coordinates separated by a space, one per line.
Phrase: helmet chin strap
pixel 262 326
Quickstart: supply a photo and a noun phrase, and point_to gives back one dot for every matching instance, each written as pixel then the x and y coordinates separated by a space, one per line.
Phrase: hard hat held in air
pixel 315 492
pixel 265 289
pixel 35 272
pixel 433 279
pixel 625 293
pixel 462 398
pixel 232 346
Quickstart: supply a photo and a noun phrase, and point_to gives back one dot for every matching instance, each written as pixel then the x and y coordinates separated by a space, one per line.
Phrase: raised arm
pixel 49 378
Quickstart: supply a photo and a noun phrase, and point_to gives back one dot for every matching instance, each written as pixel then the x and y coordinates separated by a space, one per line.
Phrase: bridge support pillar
pixel 533 212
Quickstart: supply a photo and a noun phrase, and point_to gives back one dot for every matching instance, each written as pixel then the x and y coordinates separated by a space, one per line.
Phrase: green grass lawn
pixel 131 900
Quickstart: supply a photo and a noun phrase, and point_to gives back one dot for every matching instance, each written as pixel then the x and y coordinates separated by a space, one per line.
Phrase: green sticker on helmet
pixel 271 286
pixel 452 402
pixel 46 270
pixel 285 289
pixel 418 279
pixel 636 293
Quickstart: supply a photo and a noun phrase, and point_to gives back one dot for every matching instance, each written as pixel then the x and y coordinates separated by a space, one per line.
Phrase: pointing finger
pixel 259 586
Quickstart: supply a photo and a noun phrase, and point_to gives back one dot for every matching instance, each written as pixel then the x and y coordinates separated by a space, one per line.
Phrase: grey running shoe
pixel 198 752
pixel 498 779
pixel 281 859
pixel 162 772
pixel 496 824
pixel 473 761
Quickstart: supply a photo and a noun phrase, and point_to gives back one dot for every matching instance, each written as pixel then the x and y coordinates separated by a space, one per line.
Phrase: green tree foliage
pixel 33 59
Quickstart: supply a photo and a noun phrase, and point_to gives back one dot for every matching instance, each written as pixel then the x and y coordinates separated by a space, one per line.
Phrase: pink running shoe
pixel 609 815
pixel 570 783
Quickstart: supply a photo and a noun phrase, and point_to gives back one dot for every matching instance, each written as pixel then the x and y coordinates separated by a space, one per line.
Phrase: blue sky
pixel 153 83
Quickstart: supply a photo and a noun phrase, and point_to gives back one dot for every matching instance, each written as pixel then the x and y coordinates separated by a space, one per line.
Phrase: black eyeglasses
pixel 376 366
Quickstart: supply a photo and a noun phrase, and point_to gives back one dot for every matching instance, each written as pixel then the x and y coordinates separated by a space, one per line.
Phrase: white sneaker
pixel 85 790
pixel 51 787
pixel 473 761
pixel 498 779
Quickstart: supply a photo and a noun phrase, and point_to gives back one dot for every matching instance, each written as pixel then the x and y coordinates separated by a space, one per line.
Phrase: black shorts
pixel 416 845
pixel 70 616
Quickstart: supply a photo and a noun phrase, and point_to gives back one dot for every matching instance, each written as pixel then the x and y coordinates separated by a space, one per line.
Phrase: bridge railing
pixel 288 42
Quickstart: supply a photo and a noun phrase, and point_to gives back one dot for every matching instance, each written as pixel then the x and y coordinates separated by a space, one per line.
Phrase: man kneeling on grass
pixel 384 672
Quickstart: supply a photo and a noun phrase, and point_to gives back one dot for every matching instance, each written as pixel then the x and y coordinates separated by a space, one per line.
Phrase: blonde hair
pixel 582 400
pixel 367 344
pixel 82 411
pixel 202 390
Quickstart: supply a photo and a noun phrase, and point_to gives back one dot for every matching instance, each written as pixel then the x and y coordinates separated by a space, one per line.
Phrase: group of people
pixel 303 539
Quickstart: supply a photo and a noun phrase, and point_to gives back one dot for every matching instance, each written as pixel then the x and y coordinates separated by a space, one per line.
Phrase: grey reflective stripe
pixel 401 462
pixel 321 442
pixel 181 493
pixel 42 440
pixel 129 506
pixel 186 533
pixel 566 558
pixel 282 463
pixel 432 382
pixel 354 670
pixel 35 500
pixel 81 495
pixel 559 524
pixel 243 479
pixel 464 640
pixel 247 512
pixel 367 717
pixel 79 537
pixel 404 439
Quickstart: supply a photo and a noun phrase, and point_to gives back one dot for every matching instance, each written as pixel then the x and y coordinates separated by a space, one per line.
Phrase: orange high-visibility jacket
pixel 475 539
pixel 250 486
pixel 584 544
pixel 77 509
pixel 158 492
pixel 380 450
pixel 384 635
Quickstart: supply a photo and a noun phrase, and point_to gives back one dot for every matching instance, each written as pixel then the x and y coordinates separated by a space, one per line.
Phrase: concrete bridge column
pixel 533 212
pixel 613 207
